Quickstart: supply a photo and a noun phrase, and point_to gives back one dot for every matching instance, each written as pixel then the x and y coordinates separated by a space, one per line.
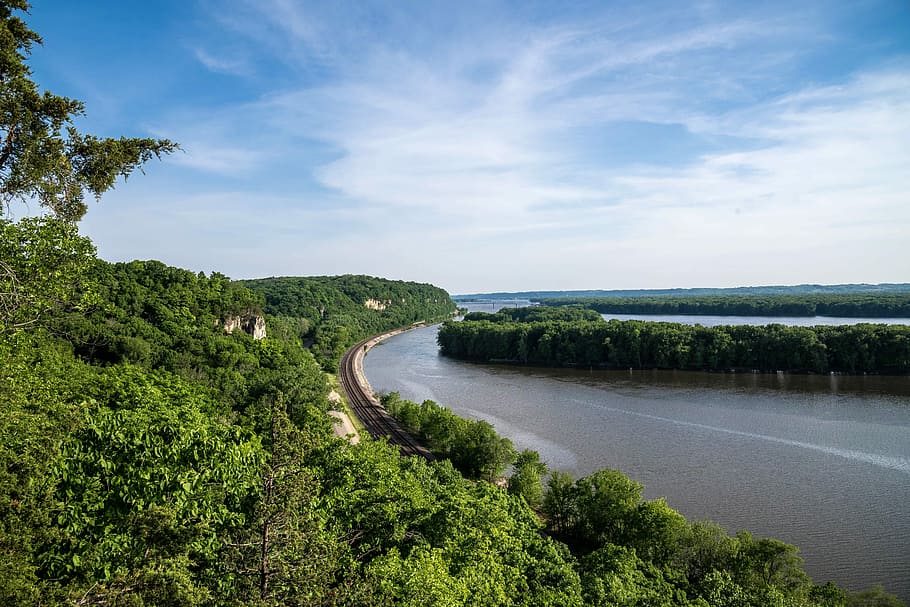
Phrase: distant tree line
pixel 800 290
pixel 861 348
pixel 535 314
pixel 848 305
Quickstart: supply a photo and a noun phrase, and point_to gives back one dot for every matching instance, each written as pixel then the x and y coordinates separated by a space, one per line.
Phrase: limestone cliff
pixel 254 324
pixel 376 304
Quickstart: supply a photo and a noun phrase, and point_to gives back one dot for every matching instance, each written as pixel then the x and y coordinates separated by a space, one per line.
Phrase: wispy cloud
pixel 224 65
pixel 500 145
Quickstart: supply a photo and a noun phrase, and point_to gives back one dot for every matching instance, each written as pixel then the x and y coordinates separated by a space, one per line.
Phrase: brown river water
pixel 822 462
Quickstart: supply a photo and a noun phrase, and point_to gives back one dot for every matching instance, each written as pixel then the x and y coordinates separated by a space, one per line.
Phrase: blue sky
pixel 501 146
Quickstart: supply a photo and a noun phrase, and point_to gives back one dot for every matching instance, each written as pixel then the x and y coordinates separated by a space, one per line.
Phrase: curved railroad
pixel 367 408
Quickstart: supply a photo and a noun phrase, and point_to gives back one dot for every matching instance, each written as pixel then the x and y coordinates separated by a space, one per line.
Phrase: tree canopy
pixel 860 348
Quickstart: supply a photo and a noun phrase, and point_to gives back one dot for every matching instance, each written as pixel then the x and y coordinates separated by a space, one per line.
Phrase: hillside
pixel 334 312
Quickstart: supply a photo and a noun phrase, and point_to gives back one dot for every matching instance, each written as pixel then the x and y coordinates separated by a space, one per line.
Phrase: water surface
pixel 822 462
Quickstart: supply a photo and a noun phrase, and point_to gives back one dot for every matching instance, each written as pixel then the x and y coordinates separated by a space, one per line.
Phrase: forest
pixel 888 304
pixel 546 338
pixel 151 455
pixel 334 312
pixel 150 458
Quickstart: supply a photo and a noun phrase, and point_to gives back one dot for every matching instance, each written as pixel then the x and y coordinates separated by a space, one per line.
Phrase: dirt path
pixel 342 425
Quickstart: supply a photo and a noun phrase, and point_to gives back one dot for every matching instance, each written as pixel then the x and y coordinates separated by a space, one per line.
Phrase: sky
pixel 500 146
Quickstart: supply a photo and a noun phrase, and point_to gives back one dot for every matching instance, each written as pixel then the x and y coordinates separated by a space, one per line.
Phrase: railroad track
pixel 368 409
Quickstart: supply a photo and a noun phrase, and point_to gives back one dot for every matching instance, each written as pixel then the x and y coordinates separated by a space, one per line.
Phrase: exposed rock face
pixel 376 304
pixel 254 324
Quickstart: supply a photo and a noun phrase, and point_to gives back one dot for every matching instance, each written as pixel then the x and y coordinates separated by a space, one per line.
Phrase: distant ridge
pixel 805 289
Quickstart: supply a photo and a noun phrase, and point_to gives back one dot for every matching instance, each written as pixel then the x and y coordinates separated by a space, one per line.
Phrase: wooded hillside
pixel 334 312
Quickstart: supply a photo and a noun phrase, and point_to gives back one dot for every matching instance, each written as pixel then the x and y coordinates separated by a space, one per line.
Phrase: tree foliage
pixel 45 271
pixel 861 348
pixel 473 446
pixel 527 480
pixel 42 155
pixel 636 552
pixel 894 303
pixel 335 312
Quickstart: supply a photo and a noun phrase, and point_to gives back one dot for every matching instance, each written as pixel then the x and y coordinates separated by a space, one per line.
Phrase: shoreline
pixel 359 375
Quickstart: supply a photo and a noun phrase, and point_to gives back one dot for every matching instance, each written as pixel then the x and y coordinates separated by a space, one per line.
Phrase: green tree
pixel 653 529
pixel 37 377
pixel 828 595
pixel 527 479
pixel 874 597
pixel 420 579
pixel 45 269
pixel 607 500
pixel 283 553
pixel 480 453
pixel 146 491
pixel 614 576
pixel 704 547
pixel 560 503
pixel 769 562
pixel 42 156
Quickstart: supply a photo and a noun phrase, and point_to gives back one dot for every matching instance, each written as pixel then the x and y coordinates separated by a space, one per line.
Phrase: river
pixel 822 462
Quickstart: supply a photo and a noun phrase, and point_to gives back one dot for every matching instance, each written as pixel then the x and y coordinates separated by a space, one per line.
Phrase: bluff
pixel 250 323
pixel 331 313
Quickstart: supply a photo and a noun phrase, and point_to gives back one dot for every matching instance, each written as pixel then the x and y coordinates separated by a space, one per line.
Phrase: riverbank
pixel 359 376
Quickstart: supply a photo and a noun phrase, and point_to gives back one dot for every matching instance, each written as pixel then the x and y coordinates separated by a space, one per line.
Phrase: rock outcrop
pixel 253 324
pixel 377 304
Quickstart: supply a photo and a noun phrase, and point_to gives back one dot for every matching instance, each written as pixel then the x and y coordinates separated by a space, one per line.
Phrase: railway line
pixel 367 408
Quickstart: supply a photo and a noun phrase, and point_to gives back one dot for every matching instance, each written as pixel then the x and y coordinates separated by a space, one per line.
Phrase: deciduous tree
pixel 45 268
pixel 526 481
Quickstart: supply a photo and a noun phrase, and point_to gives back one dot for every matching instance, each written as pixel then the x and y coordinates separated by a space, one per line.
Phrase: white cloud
pixel 438 139
pixel 216 158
